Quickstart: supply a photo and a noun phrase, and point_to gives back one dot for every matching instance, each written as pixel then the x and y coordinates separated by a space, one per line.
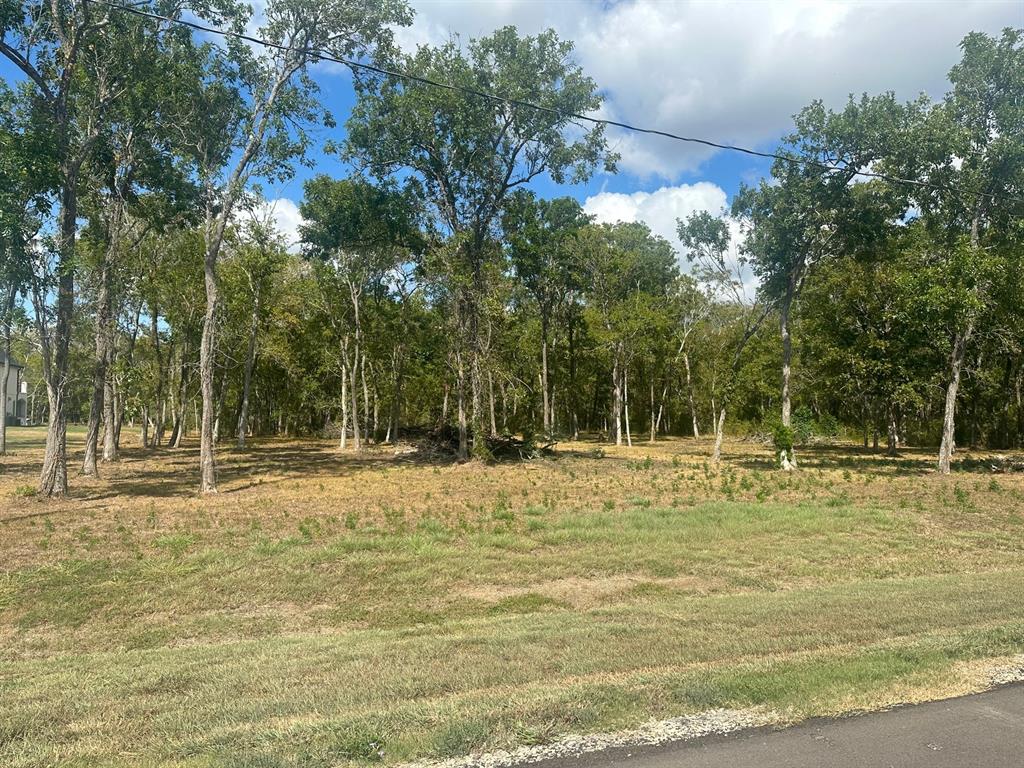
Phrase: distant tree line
pixel 872 284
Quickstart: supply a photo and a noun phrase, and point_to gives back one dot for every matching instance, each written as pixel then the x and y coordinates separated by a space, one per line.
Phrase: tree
pixel 539 235
pixel 629 274
pixel 802 216
pixel 692 307
pixel 260 137
pixel 467 153
pixel 257 258
pixel 706 239
pixel 969 151
pixel 362 233
pixel 132 183
pixel 76 57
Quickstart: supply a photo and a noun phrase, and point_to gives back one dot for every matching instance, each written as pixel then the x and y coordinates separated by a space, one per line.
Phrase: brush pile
pixel 444 441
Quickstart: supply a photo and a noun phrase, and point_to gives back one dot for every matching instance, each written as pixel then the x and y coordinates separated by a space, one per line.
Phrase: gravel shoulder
pixel 982 729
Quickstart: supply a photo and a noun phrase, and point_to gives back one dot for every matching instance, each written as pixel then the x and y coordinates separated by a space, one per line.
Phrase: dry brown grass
pixel 326 602
pixel 278 482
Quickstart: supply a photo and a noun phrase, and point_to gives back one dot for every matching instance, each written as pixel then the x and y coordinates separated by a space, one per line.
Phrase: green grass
pixel 345 638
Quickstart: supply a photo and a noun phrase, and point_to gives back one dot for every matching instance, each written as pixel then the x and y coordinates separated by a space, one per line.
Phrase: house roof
pixel 14 363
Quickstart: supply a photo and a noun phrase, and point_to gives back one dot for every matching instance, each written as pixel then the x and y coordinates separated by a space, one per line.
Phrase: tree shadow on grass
pixel 908 462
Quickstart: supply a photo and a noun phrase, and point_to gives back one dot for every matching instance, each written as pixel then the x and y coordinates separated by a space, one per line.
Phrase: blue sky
pixel 733 71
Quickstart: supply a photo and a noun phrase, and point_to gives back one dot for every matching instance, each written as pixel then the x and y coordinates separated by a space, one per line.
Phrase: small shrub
pixel 783 438
pixel 309 527
pixel 640 464
pixel 503 515
pixel 25 491
pixel 963 499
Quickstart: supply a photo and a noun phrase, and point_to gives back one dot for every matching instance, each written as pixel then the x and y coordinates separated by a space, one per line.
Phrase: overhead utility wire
pixel 352 64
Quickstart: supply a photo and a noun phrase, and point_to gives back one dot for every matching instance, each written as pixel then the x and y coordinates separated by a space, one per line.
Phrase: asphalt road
pixel 985 730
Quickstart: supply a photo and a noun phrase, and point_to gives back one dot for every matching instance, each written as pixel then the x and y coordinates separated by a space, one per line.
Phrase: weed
pixel 310 528
pixel 963 499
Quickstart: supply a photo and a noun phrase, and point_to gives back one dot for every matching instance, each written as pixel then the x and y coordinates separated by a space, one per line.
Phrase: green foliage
pixel 783 438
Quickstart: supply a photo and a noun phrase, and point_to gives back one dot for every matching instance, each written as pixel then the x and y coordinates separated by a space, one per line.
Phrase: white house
pixel 16 407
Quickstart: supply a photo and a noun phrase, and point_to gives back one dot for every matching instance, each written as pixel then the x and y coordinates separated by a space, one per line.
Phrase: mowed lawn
pixel 328 607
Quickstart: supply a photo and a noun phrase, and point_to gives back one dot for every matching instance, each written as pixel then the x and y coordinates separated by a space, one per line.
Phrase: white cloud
pixel 284 213
pixel 737 71
pixel 660 209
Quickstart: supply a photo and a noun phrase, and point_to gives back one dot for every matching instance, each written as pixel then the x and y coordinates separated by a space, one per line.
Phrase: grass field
pixel 329 607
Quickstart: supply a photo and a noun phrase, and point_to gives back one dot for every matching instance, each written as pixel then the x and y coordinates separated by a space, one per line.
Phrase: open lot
pixel 330 607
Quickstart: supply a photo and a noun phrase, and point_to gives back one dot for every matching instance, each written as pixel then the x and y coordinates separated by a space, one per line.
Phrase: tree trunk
pixel 222 393
pixel 502 390
pixel 160 380
pixel 118 398
pixel 545 391
pixel 367 431
pixel 463 454
pixel 342 443
pixel 99 369
pixel 207 358
pixel 53 479
pixel 490 392
pixel 960 342
pixel 182 417
pixel 956 360
pixel 477 350
pixel 662 413
pixel 376 415
pixel 689 392
pixel 479 429
pixel 625 403
pixel 719 432
pixel 616 420
pixel 787 352
pixel 574 422
pixel 396 402
pixel 892 438
pixel 7 323
pixel 250 359
pixel 110 406
pixel 353 370
pixel 654 418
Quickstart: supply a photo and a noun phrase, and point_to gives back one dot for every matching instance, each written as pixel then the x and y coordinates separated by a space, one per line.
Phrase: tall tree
pixel 263 137
pixel 799 218
pixel 629 274
pixel 362 233
pixel 76 57
pixel 468 152
pixel 970 150
pixel 258 257
pixel 539 235
pixel 706 239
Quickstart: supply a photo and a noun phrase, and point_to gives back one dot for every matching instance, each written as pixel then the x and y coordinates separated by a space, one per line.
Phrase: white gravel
pixel 652 732
pixel 1008 673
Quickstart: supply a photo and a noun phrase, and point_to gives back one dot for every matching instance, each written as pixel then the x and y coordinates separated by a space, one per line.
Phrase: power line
pixel 352 64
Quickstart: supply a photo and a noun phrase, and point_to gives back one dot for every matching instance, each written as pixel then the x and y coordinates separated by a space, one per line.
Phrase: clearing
pixel 330 607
